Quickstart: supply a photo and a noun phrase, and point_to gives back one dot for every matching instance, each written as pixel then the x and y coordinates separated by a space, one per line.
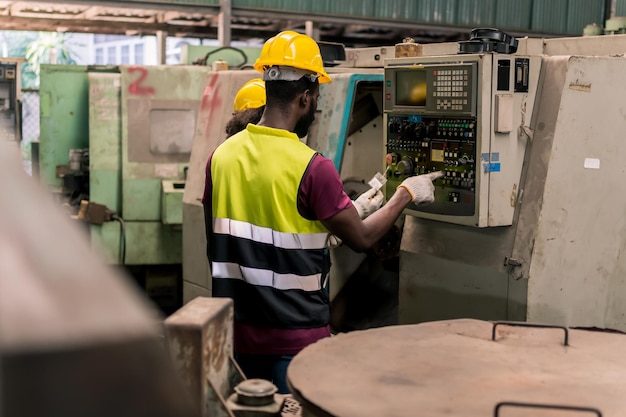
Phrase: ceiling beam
pixel 187 8
pixel 44 10
pixel 176 19
pixel 101 26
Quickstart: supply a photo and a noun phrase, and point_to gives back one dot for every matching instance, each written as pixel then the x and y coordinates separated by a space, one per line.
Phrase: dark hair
pixel 281 93
pixel 240 120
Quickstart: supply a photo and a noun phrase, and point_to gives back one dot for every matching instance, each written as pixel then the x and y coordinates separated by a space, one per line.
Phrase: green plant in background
pixel 13 44
pixel 38 48
pixel 49 48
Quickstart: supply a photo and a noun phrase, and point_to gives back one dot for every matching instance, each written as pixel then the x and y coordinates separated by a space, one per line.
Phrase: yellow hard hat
pixel 250 96
pixel 292 49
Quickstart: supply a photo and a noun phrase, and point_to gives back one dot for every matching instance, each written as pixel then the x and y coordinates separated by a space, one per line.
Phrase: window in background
pixel 99 56
pixel 125 51
pixel 138 53
pixel 111 55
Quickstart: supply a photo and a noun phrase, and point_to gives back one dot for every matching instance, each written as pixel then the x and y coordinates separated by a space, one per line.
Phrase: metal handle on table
pixel 546 407
pixel 524 324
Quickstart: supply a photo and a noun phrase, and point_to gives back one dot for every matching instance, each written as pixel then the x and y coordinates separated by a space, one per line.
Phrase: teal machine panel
pixel 341 111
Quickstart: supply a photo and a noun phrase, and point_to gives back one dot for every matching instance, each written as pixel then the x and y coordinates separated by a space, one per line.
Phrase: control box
pixel 464 115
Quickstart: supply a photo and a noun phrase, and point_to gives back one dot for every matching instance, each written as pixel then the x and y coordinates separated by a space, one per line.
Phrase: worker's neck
pixel 278 118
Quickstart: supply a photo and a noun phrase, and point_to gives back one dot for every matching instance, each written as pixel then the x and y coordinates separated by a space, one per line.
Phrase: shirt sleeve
pixel 208 183
pixel 321 194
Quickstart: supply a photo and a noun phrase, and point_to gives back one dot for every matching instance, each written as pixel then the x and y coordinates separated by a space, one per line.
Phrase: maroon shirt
pixel 320 197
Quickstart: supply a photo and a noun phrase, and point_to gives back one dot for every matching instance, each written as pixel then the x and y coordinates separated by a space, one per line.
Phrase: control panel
pixel 459 114
pixel 419 144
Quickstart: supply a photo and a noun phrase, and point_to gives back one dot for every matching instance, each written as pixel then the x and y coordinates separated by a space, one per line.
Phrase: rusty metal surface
pixel 454 368
pixel 291 407
pixel 151 95
pixel 200 338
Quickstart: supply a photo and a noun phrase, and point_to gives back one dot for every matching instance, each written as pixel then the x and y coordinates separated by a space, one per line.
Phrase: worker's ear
pixel 305 98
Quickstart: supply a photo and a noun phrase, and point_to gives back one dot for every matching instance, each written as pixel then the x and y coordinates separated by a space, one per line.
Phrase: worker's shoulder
pixel 320 164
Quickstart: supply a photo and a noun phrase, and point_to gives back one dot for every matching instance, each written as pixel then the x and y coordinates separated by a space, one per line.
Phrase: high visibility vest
pixel 264 255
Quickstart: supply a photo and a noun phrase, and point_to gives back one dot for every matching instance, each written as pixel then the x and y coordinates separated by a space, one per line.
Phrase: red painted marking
pixel 216 100
pixel 207 92
pixel 352 56
pixel 210 103
pixel 135 87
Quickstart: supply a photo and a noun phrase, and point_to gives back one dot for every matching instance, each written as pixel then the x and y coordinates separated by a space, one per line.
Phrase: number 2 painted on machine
pixel 135 87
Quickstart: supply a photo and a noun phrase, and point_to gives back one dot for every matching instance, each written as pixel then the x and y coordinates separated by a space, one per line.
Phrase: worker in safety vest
pixel 248 106
pixel 271 203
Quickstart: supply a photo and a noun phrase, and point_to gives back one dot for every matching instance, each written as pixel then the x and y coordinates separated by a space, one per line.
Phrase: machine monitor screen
pixel 411 87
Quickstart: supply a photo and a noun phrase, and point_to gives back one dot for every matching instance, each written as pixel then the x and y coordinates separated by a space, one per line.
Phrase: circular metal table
pixel 463 368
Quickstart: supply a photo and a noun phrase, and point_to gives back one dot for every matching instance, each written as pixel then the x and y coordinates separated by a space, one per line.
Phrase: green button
pixel 388 83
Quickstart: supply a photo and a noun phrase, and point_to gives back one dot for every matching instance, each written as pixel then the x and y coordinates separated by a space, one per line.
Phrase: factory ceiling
pixel 194 21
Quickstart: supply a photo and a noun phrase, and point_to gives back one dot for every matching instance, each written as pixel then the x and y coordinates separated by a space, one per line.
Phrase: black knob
pixel 420 131
pixel 405 166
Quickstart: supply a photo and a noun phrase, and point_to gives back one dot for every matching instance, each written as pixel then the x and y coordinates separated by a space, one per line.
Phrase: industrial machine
pixel 117 140
pixel 524 224
pixel 476 252
pixel 456 114
pixel 115 145
pixel 508 235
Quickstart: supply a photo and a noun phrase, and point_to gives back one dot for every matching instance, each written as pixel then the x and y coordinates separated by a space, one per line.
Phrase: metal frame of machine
pixel 553 264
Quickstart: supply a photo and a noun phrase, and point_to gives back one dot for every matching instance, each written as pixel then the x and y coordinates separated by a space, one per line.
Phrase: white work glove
pixel 421 187
pixel 333 241
pixel 368 202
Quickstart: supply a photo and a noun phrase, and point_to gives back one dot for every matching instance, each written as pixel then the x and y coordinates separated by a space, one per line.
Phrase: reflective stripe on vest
pixel 267 278
pixel 266 235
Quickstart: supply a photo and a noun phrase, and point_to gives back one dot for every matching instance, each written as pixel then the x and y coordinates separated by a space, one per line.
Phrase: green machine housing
pixel 120 138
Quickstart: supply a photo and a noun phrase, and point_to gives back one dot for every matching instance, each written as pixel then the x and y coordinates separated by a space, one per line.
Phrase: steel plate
pixel 454 368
